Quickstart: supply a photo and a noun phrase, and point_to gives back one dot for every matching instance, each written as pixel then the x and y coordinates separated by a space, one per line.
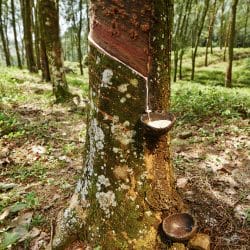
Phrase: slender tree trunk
pixel 5 25
pixel 49 20
pixel 21 43
pixel 194 51
pixel 180 64
pixel 36 32
pixel 210 33
pixel 127 185
pixel 226 43
pixel 19 62
pixel 176 40
pixel 3 38
pixel 176 52
pixel 27 27
pixel 246 24
pixel 222 32
pixel 88 26
pixel 79 38
pixel 228 77
pixel 184 36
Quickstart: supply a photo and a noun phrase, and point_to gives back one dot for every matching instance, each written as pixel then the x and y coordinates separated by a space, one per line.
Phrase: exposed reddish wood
pixel 123 33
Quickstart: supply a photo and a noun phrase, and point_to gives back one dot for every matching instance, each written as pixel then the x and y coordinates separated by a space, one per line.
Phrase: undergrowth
pixel 192 102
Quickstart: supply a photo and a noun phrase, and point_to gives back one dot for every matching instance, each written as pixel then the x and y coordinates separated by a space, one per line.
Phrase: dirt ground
pixel 213 176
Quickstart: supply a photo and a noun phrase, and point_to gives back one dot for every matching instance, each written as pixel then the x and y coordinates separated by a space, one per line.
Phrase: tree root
pixel 69 222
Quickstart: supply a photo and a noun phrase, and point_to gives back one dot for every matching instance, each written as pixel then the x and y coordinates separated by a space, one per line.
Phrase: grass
pixel 194 102
pixel 206 97
pixel 214 74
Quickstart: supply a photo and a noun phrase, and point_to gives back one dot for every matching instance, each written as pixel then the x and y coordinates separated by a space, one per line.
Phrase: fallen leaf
pixel 7 186
pixel 5 213
pixel 24 219
pixel 31 234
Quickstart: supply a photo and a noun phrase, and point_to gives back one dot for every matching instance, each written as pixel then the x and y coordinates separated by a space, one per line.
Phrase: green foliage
pixel 70 148
pixel 214 74
pixel 193 102
pixel 8 239
pixel 38 220
pixel 36 171
pixel 31 200
pixel 18 206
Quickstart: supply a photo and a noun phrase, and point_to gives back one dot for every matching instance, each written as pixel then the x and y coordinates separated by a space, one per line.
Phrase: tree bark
pixel 79 39
pixel 210 32
pixel 184 37
pixel 27 29
pixel 228 76
pixel 49 21
pixel 36 32
pixel 44 61
pixel 194 51
pixel 3 38
pixel 77 28
pixel 246 25
pixel 226 41
pixel 128 184
pixel 19 62
pixel 176 40
pixel 222 32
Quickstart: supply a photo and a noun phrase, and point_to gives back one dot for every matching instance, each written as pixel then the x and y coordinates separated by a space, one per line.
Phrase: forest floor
pixel 41 149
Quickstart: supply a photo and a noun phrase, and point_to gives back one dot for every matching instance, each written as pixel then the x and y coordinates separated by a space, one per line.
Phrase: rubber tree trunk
pixel 177 38
pixel 127 185
pixel 49 21
pixel 36 33
pixel 228 77
pixel 3 38
pixel 19 62
pixel 26 10
pixel 184 34
pixel 180 64
pixel 246 25
pixel 44 61
pixel 222 28
pixel 197 39
pixel 79 38
pixel 226 42
pixel 210 33
pixel 78 35
pixel 6 27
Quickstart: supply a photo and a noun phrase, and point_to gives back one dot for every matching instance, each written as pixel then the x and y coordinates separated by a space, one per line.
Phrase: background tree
pixel 127 184
pixel 181 34
pixel 228 77
pixel 75 37
pixel 3 35
pixel 49 26
pixel 199 27
pixel 13 14
pixel 26 9
pixel 35 23
pixel 209 40
pixel 222 26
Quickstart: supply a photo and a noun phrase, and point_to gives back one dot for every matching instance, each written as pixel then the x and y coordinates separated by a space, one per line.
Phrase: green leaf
pixel 9 239
pixel 18 207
